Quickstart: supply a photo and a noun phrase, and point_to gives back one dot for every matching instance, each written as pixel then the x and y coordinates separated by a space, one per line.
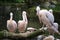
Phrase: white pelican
pixel 52 29
pixel 11 24
pixel 47 19
pixel 45 12
pixel 22 24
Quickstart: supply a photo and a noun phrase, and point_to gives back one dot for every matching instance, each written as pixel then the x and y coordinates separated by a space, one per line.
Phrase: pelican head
pixel 37 8
pixel 51 11
pixel 24 12
pixel 11 13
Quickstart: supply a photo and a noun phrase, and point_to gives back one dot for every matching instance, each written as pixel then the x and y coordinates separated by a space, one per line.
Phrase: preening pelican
pixel 47 19
pixel 11 24
pixel 45 12
pixel 52 29
pixel 22 24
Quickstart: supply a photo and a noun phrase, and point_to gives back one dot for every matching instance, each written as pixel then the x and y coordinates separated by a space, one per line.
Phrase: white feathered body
pixel 22 24
pixel 11 25
pixel 48 15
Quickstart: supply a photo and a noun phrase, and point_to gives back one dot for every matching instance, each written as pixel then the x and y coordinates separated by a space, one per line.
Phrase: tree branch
pixel 6 34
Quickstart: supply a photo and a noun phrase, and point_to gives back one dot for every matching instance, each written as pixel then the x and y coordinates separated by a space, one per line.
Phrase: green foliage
pixel 17 16
pixel 32 18
pixel 31 12
pixel 11 1
pixel 19 1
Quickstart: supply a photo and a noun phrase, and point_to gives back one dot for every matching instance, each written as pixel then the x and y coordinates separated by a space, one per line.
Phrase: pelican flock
pixel 45 16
